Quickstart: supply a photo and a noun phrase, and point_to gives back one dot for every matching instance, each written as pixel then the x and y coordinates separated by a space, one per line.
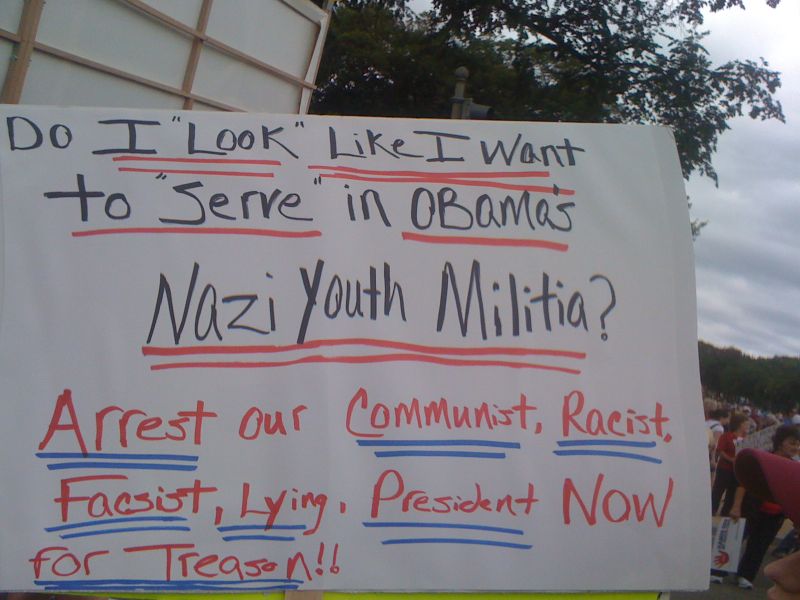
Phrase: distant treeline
pixel 768 383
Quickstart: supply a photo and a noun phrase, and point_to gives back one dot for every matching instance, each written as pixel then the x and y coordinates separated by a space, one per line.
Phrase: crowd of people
pixel 730 429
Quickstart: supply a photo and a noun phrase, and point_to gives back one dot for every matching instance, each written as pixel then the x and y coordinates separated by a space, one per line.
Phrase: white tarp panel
pixel 252 351
pixel 116 53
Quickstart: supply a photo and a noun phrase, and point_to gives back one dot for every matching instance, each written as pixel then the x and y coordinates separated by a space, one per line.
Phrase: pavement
pixel 729 590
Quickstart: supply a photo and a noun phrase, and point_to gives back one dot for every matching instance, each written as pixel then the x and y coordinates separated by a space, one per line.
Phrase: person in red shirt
pixel 775 479
pixel 724 479
pixel 764 517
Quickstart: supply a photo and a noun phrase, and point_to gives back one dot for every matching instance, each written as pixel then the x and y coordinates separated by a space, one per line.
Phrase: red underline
pixel 457 174
pixel 193 172
pixel 222 161
pixel 483 241
pixel 553 189
pixel 200 231
pixel 376 343
pixel 368 359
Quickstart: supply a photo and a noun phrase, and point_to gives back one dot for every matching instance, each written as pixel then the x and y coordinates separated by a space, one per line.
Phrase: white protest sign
pixel 251 351
pixel 761 439
pixel 726 543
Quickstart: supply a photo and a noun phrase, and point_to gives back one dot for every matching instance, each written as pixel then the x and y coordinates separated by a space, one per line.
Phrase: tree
pixel 772 383
pixel 621 61
pixel 377 63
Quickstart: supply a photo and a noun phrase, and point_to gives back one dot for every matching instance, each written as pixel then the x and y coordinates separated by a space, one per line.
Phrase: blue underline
pixel 191 584
pixel 443 526
pixel 117 456
pixel 457 541
pixel 454 453
pixel 68 536
pixel 113 465
pixel 488 443
pixel 606 443
pixel 172 587
pixel 272 538
pixel 259 527
pixel 608 453
pixel 121 581
pixel 111 522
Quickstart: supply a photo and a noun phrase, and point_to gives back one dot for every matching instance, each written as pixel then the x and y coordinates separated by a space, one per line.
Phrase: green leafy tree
pixel 620 61
pixel 771 383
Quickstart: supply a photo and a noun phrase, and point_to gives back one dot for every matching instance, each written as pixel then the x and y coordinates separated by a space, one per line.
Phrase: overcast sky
pixel 748 256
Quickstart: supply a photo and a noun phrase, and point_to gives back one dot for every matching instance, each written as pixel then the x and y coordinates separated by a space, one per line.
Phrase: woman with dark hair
pixel 764 519
pixel 771 477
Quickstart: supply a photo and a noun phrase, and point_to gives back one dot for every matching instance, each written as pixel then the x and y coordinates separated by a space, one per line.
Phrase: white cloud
pixel 748 257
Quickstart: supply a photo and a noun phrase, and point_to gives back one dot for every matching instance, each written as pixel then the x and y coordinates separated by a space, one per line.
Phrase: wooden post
pixel 194 56
pixel 21 57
